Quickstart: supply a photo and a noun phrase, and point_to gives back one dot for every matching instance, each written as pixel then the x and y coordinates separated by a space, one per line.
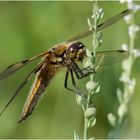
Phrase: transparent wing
pixel 14 67
pixel 110 57
pixel 100 27
pixel 21 86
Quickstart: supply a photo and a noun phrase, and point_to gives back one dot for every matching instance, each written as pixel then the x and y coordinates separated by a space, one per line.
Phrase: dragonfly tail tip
pixel 20 121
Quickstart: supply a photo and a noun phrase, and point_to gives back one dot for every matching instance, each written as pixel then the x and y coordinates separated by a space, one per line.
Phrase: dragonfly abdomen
pixel 42 81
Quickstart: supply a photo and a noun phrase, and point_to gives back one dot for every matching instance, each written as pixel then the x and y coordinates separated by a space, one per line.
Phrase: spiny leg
pixel 74 84
pixel 80 73
pixel 86 72
pixel 66 82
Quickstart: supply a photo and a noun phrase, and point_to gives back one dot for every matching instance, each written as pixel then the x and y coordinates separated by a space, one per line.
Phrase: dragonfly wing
pixel 113 20
pixel 14 67
pixel 110 57
pixel 100 27
pixel 21 86
pixel 43 78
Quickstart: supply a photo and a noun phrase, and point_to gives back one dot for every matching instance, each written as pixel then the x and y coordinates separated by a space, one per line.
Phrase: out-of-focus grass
pixel 28 28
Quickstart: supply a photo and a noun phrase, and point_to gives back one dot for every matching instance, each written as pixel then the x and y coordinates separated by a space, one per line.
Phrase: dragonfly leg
pixel 86 72
pixel 74 84
pixel 81 73
pixel 66 82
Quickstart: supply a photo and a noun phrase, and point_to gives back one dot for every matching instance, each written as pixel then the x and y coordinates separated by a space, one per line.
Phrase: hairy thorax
pixel 63 53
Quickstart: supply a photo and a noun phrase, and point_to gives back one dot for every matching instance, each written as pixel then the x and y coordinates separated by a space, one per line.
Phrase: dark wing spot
pixel 10 66
pixel 125 11
pixel 122 51
pixel 100 25
pixel 23 62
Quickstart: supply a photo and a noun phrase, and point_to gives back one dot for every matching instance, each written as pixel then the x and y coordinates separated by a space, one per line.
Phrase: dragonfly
pixel 62 55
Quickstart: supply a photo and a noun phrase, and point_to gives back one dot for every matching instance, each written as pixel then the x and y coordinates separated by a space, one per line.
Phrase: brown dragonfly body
pixel 63 55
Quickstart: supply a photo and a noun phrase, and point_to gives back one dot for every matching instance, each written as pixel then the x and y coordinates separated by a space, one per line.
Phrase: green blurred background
pixel 28 28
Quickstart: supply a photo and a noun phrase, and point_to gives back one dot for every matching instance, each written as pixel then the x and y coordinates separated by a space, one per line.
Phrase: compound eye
pixel 72 50
pixel 81 45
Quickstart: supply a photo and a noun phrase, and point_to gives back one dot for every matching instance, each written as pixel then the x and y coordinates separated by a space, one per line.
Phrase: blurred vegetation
pixel 28 28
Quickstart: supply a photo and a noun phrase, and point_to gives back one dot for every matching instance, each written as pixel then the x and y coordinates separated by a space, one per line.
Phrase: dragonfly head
pixel 77 51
